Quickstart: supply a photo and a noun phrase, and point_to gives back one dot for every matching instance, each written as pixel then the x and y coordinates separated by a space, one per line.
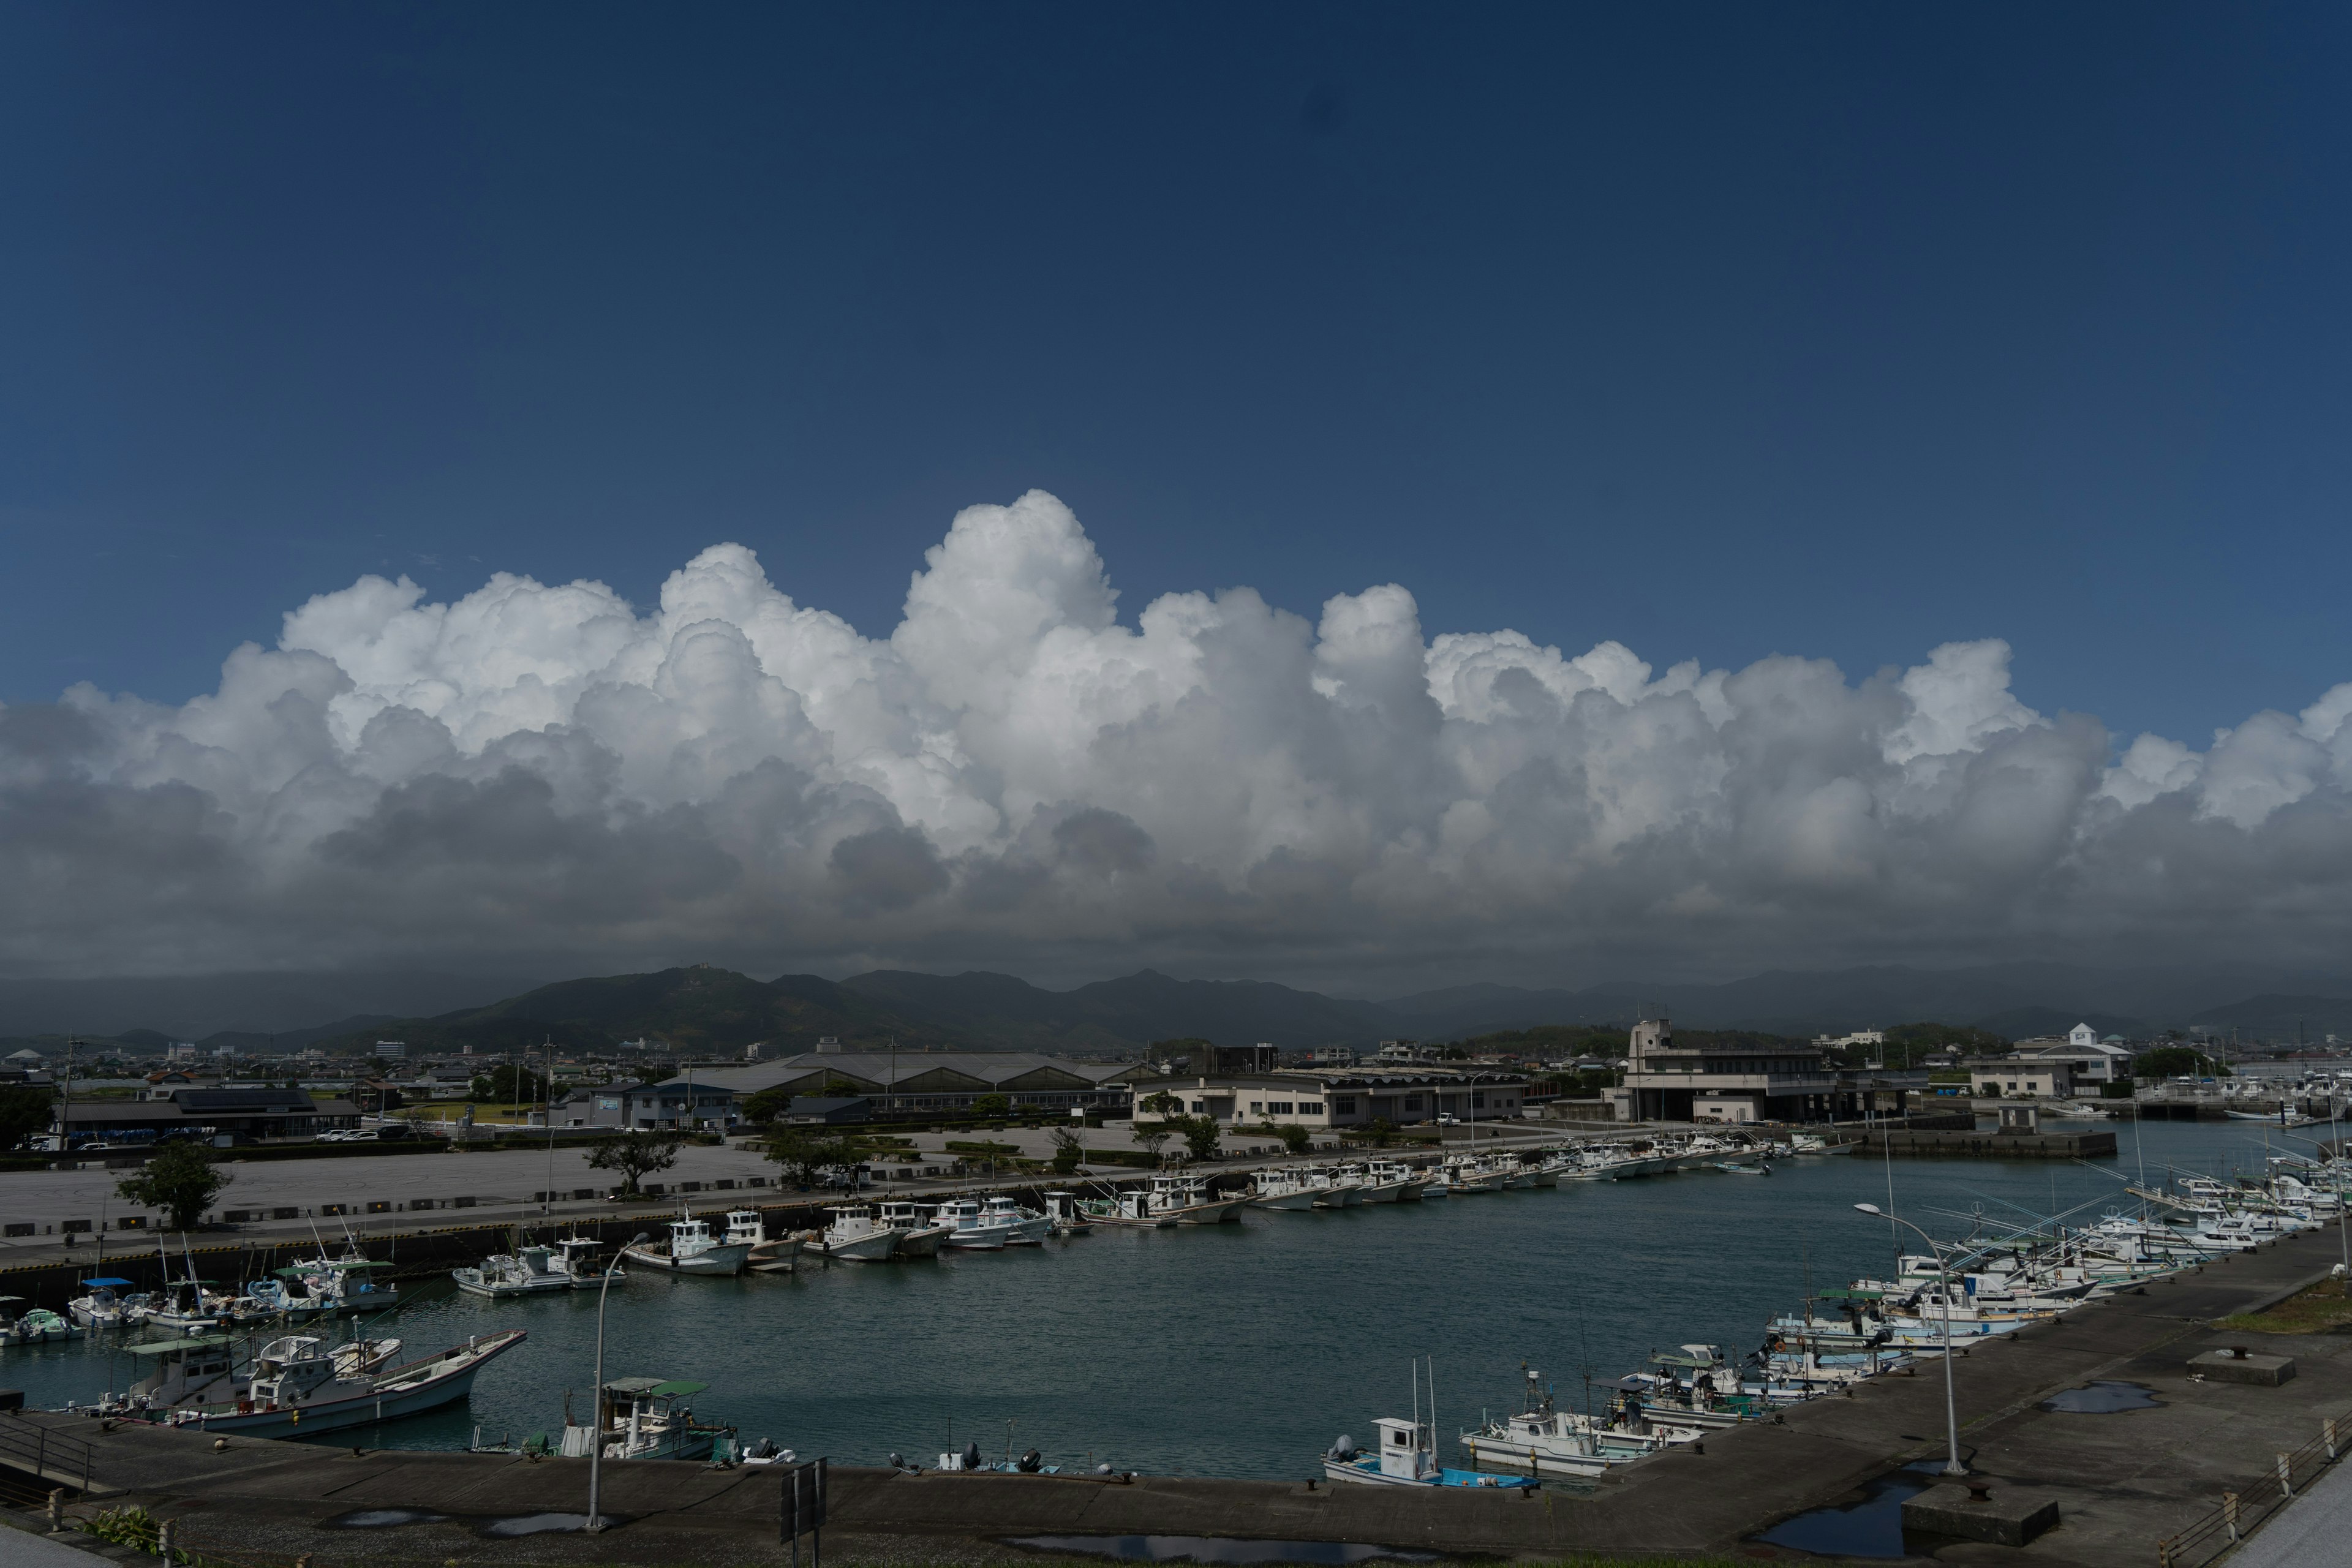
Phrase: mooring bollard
pixel 57 1511
pixel 2230 1512
pixel 2327 1437
pixel 163 1540
pixel 2286 1476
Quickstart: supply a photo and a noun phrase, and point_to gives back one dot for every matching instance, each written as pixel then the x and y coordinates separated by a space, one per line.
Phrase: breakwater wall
pixel 1993 1145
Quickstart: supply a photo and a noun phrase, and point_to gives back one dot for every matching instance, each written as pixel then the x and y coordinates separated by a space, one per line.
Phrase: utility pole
pixel 65 1107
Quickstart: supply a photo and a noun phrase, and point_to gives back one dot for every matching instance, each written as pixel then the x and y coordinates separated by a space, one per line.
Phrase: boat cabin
pixel 188 1369
pixel 286 1370
pixel 1406 1449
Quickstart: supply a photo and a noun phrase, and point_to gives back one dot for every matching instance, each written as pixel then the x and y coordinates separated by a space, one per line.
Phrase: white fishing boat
pixel 300 1385
pixel 505 1275
pixel 972 1230
pixel 1127 1206
pixel 1028 1227
pixel 1190 1201
pixel 1542 1441
pixel 105 1306
pixel 345 1282
pixel 1404 1454
pixel 1334 1188
pixel 745 1227
pixel 921 1226
pixel 576 1260
pixel 1462 1177
pixel 1068 1217
pixel 645 1418
pixel 691 1248
pixel 1284 1188
pixel 32 1325
pixel 182 1306
pixel 1393 1181
pixel 854 1234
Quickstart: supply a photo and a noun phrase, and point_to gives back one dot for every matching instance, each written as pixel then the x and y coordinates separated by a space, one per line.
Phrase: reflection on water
pixel 1217 1549
pixel 1234 1349
pixel 2102 1399
pixel 1871 1528
pixel 533 1524
pixel 381 1519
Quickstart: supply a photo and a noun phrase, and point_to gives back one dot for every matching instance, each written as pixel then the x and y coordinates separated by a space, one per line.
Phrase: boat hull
pixel 922 1243
pixel 1291 1203
pixel 874 1247
pixel 359 1410
pixel 726 1259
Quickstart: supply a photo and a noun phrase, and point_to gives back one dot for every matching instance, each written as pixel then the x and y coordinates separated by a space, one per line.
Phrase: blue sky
pixel 1832 330
pixel 1741 335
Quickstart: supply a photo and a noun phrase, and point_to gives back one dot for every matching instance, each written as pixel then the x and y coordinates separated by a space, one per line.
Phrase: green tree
pixel 991 1106
pixel 1380 1131
pixel 1152 1135
pixel 1296 1140
pixel 635 1155
pixel 1200 1134
pixel 767 1105
pixel 1068 1152
pixel 2177 1061
pixel 809 1152
pixel 1162 1104
pixel 507 1084
pixel 181 1179
pixel 25 1109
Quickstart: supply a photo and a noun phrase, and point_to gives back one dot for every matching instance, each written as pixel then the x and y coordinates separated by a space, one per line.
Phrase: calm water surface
pixel 1236 1349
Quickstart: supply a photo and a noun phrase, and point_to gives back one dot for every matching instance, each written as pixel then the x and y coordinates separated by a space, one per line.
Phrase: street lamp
pixel 1952 1467
pixel 596 1422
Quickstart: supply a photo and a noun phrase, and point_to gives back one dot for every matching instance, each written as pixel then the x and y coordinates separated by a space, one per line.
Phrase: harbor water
pixel 1236 1349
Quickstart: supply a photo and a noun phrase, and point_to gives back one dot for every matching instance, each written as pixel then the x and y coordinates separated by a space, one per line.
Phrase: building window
pixel 1344 1105
pixel 1200 1107
pixel 1277 1108
pixel 1257 1107
pixel 1310 1107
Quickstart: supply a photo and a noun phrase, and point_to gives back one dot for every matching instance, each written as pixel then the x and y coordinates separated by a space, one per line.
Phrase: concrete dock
pixel 2122 1481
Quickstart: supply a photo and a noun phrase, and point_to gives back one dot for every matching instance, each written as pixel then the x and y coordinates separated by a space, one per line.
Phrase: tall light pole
pixel 596 1422
pixel 547 1114
pixel 1952 1467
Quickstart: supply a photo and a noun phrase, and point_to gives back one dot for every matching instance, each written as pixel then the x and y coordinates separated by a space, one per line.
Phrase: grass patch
pixel 2324 1308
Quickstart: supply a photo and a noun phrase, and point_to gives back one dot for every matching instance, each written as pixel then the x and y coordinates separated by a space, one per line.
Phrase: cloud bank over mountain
pixel 1016 778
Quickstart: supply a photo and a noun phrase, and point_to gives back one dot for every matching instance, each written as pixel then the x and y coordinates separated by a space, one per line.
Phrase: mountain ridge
pixel 708 1009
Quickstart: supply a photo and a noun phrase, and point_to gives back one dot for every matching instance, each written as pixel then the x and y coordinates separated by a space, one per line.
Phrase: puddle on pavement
pixel 1871 1528
pixel 531 1524
pixel 496 1526
pixel 1218 1549
pixel 381 1518
pixel 2104 1399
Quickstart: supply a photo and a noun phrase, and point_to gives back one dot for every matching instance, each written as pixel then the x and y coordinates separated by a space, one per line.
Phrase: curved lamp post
pixel 1952 1467
pixel 596 1438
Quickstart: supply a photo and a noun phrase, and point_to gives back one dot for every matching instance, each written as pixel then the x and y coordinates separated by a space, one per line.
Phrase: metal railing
pixel 2240 1513
pixel 53 1456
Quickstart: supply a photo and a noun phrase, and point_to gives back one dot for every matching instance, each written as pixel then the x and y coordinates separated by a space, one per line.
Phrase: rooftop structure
pixel 937 1083
pixel 1722 1083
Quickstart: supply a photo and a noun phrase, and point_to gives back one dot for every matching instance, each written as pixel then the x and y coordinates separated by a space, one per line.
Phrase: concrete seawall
pixel 1993 1145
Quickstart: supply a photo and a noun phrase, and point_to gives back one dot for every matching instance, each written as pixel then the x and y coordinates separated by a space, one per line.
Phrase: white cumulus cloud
pixel 1014 774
